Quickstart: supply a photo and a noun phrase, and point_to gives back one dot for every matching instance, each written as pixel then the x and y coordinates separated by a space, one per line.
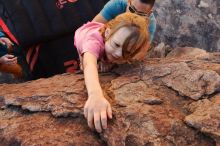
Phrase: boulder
pixel 155 102
pixel 194 23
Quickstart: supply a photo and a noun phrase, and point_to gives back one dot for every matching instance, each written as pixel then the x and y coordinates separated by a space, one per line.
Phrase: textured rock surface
pixel 193 23
pixel 187 52
pixel 156 102
pixel 206 117
pixel 62 95
pixel 20 128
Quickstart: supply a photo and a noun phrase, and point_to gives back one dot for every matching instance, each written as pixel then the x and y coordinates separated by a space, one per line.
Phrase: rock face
pixel 156 102
pixel 193 23
pixel 206 117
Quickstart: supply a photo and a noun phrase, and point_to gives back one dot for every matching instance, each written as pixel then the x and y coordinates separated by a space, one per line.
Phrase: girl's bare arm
pixel 97 108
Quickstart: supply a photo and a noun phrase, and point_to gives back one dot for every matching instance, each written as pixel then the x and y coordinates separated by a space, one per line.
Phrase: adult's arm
pixel 111 10
pixel 99 18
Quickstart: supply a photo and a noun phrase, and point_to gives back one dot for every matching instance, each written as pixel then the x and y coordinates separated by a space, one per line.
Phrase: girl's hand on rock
pixel 97 110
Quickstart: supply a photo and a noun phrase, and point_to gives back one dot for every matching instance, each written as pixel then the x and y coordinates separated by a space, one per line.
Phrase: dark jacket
pixel 45 30
pixel 34 21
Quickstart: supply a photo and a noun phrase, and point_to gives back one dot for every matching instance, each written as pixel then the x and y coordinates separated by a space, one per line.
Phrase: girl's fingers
pixel 102 66
pixel 105 68
pixel 86 113
pixel 90 119
pixel 104 119
pixel 109 111
pixel 97 122
pixel 99 67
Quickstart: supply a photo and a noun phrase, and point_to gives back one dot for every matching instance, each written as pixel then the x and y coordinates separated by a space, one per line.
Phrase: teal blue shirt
pixel 116 7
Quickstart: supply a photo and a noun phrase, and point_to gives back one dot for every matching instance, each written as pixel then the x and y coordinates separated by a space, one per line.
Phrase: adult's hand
pixel 8 59
pixel 6 41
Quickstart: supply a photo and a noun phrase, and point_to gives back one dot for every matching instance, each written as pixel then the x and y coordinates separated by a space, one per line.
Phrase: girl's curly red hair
pixel 136 44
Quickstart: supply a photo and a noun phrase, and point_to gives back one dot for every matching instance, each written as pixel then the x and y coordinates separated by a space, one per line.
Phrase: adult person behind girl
pixel 123 39
pixel 140 7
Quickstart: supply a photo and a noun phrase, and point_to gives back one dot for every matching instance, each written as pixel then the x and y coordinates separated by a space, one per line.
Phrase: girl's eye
pixel 117 45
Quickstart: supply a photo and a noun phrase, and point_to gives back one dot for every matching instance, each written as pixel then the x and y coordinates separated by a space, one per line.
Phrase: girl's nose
pixel 118 53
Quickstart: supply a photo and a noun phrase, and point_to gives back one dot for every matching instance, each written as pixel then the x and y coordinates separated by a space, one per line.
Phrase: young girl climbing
pixel 123 39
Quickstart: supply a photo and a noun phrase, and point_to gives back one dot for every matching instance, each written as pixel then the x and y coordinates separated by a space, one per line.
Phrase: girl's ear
pixel 107 32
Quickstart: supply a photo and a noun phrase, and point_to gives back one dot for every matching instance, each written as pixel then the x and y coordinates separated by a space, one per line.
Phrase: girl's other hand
pixel 104 66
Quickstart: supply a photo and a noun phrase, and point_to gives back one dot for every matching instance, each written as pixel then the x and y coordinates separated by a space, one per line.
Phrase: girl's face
pixel 113 46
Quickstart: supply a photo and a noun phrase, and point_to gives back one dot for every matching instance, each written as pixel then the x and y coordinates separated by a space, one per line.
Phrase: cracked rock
pixel 149 106
pixel 206 118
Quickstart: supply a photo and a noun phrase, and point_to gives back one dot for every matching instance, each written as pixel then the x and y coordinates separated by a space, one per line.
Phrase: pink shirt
pixel 88 39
